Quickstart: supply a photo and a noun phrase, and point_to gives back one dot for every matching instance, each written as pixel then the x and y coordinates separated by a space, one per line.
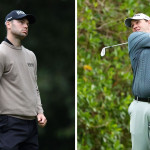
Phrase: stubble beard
pixel 20 36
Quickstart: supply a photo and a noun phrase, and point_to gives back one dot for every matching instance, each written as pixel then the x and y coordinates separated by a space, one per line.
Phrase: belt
pixel 142 99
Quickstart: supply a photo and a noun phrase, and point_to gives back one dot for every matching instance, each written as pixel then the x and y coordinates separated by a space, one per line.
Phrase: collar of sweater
pixel 12 46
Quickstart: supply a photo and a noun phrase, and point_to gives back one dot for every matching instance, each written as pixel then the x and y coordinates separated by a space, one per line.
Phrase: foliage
pixel 104 83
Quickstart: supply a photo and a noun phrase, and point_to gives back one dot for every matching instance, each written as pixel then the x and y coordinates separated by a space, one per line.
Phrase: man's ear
pixel 148 21
pixel 7 23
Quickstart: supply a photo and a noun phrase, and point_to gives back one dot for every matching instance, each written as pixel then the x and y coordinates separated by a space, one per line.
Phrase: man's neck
pixel 6 40
pixel 16 42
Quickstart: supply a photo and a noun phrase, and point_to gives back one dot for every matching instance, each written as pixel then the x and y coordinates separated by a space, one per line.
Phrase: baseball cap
pixel 138 16
pixel 19 14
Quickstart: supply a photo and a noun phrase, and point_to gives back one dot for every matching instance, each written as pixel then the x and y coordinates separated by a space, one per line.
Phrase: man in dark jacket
pixel 139 52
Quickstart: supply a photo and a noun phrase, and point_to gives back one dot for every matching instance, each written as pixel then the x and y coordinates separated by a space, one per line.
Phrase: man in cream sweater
pixel 20 103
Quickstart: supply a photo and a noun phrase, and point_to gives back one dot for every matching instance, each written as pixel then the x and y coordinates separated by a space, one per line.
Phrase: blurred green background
pixel 51 38
pixel 104 83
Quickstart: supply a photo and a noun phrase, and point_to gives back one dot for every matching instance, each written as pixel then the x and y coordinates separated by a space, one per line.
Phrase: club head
pixel 103 52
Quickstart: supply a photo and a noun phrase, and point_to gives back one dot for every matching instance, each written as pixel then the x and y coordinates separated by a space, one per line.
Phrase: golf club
pixel 103 50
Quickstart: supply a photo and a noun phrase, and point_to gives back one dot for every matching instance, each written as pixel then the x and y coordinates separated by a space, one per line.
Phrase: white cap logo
pixel 20 12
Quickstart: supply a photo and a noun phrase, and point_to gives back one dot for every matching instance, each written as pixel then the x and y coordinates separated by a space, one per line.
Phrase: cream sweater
pixel 19 94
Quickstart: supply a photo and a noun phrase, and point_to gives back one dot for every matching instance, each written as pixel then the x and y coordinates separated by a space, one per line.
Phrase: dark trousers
pixel 18 134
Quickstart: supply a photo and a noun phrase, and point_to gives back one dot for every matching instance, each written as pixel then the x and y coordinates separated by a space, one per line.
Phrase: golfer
pixel 20 103
pixel 139 52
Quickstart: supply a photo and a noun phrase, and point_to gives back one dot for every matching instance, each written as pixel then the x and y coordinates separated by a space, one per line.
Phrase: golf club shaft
pixel 103 50
pixel 116 45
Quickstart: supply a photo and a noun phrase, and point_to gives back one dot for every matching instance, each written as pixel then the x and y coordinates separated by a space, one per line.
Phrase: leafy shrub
pixel 104 83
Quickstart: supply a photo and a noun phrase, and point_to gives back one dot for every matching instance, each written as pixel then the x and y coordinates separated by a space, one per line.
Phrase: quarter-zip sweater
pixel 19 94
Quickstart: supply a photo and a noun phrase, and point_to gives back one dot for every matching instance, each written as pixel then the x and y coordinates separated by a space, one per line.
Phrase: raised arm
pixel 137 42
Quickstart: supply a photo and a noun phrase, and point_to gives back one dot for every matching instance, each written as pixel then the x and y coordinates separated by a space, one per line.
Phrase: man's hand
pixel 41 120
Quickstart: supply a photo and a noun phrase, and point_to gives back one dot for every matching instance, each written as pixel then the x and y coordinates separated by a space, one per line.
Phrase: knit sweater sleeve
pixel 39 105
pixel 2 64
pixel 137 41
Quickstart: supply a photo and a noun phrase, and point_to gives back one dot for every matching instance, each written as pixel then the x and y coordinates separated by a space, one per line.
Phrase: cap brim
pixel 128 21
pixel 29 17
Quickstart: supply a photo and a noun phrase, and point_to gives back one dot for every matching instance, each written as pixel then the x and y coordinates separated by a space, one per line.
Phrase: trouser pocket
pixel 133 119
pixel 130 108
pixel 3 123
pixel 149 130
